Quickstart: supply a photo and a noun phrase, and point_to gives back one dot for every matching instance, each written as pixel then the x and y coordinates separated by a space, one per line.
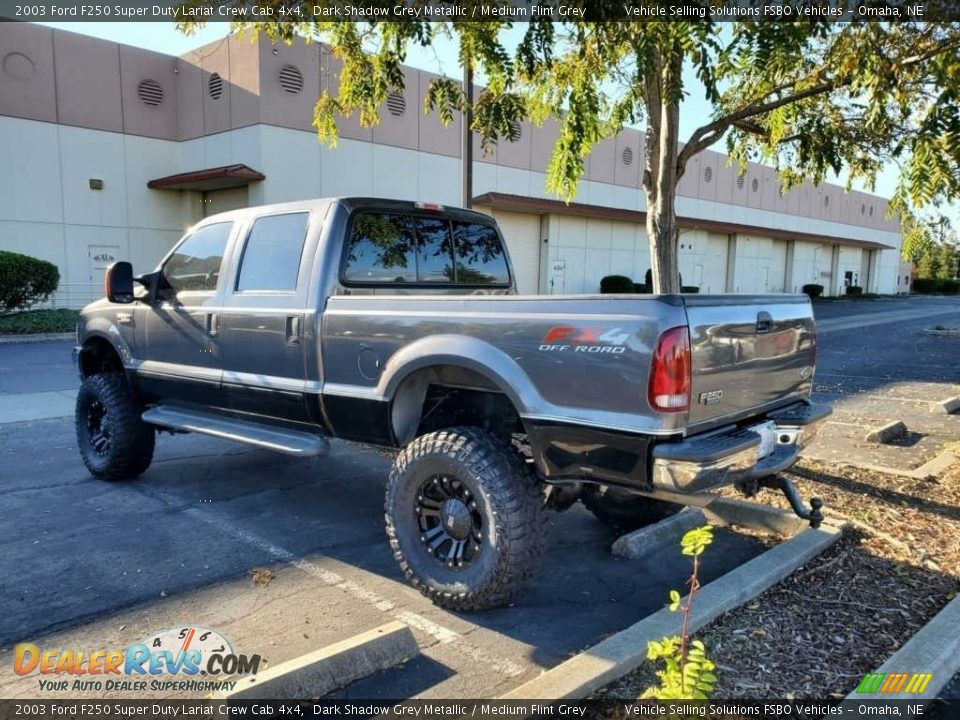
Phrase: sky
pixel 440 58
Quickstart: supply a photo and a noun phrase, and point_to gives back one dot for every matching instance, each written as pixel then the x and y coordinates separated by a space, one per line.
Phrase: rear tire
pixel 114 442
pixel 465 518
pixel 625 510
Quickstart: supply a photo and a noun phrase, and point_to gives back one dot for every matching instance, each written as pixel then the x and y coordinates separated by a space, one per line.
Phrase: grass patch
pixel 32 322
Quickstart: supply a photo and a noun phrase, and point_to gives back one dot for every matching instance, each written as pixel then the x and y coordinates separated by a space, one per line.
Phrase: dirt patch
pixel 817 633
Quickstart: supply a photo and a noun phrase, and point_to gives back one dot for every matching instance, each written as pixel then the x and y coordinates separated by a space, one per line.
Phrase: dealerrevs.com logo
pixel 170 660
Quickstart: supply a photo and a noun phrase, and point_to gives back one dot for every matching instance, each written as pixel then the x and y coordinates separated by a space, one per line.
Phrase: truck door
pixel 262 322
pixel 181 350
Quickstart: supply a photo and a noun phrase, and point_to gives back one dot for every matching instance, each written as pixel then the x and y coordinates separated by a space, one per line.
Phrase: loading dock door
pixel 522 233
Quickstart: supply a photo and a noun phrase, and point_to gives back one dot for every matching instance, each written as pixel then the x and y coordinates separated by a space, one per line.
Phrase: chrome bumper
pixel 701 464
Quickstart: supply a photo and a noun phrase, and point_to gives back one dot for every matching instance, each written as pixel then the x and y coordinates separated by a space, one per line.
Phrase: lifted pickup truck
pixel 397 324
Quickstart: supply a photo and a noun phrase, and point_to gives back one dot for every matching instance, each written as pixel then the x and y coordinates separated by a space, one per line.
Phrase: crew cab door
pixel 181 349
pixel 262 321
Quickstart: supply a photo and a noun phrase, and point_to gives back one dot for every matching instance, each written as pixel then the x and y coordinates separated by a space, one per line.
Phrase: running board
pixel 290 442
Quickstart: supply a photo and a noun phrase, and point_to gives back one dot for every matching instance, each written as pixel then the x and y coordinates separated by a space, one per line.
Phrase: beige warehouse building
pixel 110 151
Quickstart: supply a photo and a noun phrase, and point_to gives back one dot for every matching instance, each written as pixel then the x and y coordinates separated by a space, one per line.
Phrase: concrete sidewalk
pixel 22 407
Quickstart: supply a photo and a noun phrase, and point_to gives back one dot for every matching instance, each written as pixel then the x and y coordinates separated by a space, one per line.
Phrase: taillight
pixel 670 372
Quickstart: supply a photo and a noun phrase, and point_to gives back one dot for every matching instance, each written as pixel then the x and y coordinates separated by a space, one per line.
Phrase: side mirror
pixel 118 283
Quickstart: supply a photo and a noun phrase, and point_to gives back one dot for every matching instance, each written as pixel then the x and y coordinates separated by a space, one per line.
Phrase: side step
pixel 290 442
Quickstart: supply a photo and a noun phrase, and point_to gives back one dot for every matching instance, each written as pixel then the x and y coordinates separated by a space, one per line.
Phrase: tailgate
pixel 751 353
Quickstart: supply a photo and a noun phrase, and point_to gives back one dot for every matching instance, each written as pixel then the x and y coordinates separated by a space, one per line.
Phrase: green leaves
pixel 696 541
pixel 674 601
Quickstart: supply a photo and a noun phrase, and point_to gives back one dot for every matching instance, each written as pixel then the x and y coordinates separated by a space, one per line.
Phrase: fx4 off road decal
pixel 567 338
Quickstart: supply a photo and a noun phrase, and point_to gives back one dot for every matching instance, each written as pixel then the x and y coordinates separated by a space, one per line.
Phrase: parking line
pixel 438 632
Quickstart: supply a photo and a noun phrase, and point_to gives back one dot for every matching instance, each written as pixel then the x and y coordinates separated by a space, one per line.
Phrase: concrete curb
pixel 35 338
pixel 948 406
pixel 722 511
pixel 935 649
pixel 333 667
pixel 621 653
pixel 888 432
pixel 764 518
pixel 640 543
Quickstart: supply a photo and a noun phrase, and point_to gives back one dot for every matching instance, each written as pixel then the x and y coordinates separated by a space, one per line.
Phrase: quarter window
pixel 195 264
pixel 271 258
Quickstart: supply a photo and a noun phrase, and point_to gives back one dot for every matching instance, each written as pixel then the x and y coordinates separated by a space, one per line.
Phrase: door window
pixel 271 257
pixel 195 264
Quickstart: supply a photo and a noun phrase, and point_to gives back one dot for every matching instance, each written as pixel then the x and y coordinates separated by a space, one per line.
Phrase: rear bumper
pixel 701 464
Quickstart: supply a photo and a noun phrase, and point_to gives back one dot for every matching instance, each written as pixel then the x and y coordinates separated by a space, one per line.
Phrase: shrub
pixel 641 288
pixel 854 290
pixel 25 281
pixel 692 289
pixel 926 285
pixel 950 287
pixel 616 284
pixel 687 672
pixel 813 290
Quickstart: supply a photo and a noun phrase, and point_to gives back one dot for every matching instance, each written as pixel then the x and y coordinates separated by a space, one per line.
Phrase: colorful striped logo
pixel 894 683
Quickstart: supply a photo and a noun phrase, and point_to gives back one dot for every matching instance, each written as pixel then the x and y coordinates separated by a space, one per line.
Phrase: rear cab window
pixel 390 248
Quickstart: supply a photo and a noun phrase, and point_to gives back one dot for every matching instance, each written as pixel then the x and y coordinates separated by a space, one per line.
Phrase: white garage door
pixel 522 233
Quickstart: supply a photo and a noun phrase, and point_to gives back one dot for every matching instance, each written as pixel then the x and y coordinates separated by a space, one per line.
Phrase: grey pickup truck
pixel 397 324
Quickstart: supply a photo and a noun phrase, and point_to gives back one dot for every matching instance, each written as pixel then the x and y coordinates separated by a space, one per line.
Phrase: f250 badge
pixel 566 338
pixel 711 397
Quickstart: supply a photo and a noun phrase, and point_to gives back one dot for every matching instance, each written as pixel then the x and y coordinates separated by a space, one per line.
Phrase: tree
pixel 810 97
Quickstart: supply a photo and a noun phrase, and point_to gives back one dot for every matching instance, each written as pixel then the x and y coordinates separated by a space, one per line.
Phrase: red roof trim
pixel 226 176
pixel 520 203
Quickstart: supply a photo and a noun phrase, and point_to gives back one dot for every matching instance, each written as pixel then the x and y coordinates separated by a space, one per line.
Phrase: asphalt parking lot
pixel 94 564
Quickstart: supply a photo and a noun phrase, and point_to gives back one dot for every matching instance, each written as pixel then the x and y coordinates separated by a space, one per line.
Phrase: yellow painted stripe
pixel 914 679
pixel 926 681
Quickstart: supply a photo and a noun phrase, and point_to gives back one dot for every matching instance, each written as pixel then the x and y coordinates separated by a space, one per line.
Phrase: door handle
pixel 293 329
pixel 764 322
pixel 213 324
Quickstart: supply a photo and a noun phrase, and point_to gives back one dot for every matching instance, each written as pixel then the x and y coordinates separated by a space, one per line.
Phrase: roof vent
pixel 516 131
pixel 291 79
pixel 754 184
pixel 215 86
pixel 396 103
pixel 740 182
pixel 150 92
pixel 627 156
pixel 707 174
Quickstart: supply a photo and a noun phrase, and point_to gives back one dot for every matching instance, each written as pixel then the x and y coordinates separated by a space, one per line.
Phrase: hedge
pixel 616 284
pixel 813 290
pixel 25 281
pixel 933 285
pixel 854 290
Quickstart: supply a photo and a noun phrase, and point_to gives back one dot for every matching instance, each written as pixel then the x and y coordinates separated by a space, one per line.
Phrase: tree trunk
pixel 661 175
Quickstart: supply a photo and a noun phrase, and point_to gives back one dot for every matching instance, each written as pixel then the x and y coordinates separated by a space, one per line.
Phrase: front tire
pixel 625 510
pixel 465 518
pixel 114 442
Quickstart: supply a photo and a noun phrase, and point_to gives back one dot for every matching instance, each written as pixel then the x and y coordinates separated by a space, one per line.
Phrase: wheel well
pixel 445 396
pixel 99 356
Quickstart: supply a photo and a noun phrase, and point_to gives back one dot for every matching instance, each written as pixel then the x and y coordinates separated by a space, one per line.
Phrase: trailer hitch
pixel 778 482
